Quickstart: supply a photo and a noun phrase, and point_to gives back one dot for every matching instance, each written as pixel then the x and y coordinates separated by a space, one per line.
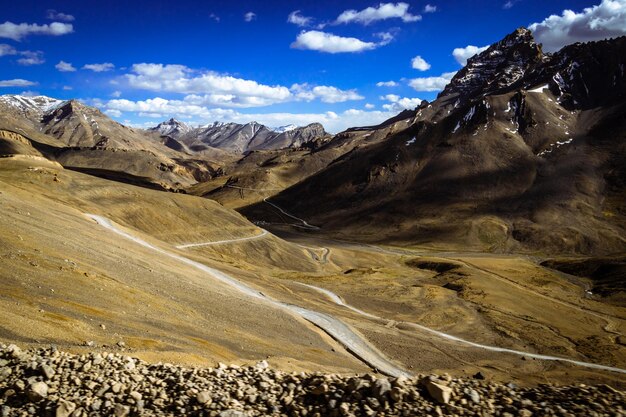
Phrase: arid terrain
pixel 478 236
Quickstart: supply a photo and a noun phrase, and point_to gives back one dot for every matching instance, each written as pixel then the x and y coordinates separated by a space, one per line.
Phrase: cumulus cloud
pixel 327 42
pixel 105 66
pixel 429 8
pixel 606 20
pixel 214 89
pixel 17 82
pixel 164 108
pixel 116 94
pixel 298 19
pixel 65 67
pixel 431 83
pixel 326 94
pixel 463 54
pixel 54 15
pixel 386 84
pixel 369 106
pixel 249 17
pixel 113 113
pixel 219 88
pixel 18 31
pixel 397 104
pixel 420 64
pixel 7 50
pixel 31 58
pixel 382 12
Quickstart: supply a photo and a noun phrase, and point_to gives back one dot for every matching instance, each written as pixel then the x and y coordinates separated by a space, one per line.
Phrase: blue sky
pixel 277 62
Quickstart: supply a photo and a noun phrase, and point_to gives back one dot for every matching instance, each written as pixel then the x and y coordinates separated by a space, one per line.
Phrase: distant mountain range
pixel 240 138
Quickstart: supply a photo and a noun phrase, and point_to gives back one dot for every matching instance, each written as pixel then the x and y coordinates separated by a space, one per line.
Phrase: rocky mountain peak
pixel 171 127
pixel 501 66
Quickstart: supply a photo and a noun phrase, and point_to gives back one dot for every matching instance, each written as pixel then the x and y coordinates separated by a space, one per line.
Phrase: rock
pixel 232 413
pixel 204 397
pixel 479 375
pixel 47 371
pixel 5 373
pixel 37 391
pixel 65 408
pixel 474 396
pixel 525 413
pixel 135 396
pixel 121 410
pixel 381 387
pixel 440 393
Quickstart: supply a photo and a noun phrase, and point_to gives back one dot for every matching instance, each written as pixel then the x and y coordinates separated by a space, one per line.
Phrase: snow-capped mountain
pixel 286 128
pixel 240 138
pixel 172 128
pixel 30 107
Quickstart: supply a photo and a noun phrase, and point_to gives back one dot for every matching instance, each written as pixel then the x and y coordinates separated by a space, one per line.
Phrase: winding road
pixel 339 301
pixel 220 242
pixel 337 329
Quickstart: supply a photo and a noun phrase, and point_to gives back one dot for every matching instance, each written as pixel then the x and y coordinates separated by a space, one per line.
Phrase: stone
pixel 47 371
pixel 37 391
pixel 525 413
pixel 479 375
pixel 438 392
pixel 204 397
pixel 474 396
pixel 121 410
pixel 381 387
pixel 232 413
pixel 65 408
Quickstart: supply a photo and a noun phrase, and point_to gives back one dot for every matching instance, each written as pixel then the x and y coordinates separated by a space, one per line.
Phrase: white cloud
pixel 429 8
pixel 219 89
pixel 18 31
pixel 509 4
pixel 369 106
pixel 113 113
pixel 67 88
pixel 431 83
pixel 420 64
pixel 17 82
pixel 163 108
pixel 397 104
pixel 326 94
pixel 386 84
pixel 31 58
pixel 106 66
pixel 249 17
pixel 116 94
pixel 382 12
pixel 297 19
pixel 606 20
pixel 463 54
pixel 7 50
pixel 327 42
pixel 54 15
pixel 214 17
pixel 65 66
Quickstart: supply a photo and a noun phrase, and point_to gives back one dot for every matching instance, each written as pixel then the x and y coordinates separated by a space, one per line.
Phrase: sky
pixel 343 64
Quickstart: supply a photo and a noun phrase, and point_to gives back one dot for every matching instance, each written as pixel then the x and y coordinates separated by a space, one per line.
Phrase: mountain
pixel 522 151
pixel 82 138
pixel 171 127
pixel 240 138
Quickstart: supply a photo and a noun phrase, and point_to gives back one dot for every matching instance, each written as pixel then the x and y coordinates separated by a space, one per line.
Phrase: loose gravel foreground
pixel 48 382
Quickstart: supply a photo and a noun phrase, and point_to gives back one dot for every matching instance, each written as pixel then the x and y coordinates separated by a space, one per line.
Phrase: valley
pixel 472 243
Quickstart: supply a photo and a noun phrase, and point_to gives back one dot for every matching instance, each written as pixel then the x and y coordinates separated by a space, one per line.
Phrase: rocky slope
pixel 83 138
pixel 521 151
pixel 49 382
